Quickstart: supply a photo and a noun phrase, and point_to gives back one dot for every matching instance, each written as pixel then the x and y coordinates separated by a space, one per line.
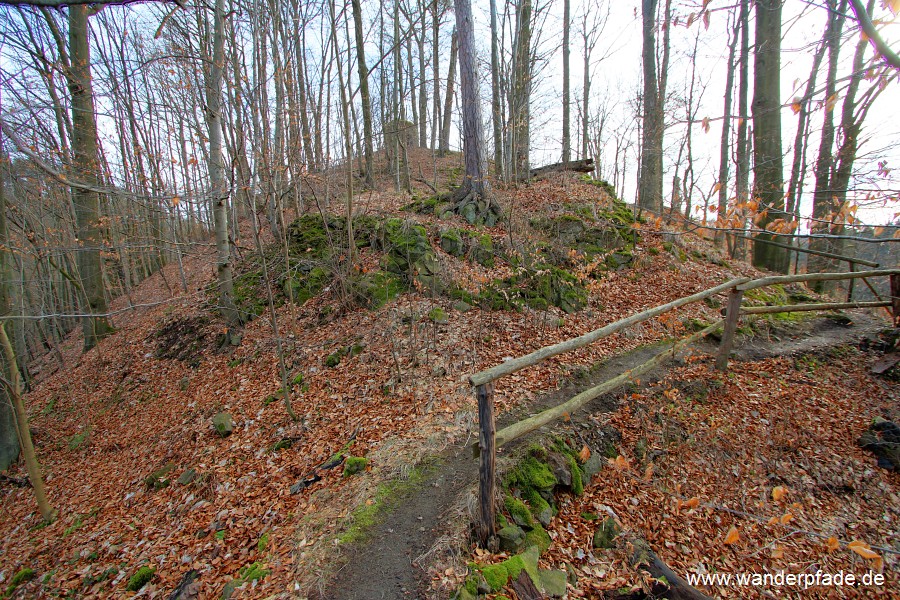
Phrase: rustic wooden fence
pixel 489 439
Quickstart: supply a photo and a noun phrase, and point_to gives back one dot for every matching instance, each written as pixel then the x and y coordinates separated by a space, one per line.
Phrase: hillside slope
pixel 377 352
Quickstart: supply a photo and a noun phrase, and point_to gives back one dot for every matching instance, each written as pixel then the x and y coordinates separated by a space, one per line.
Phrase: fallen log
pixel 585 165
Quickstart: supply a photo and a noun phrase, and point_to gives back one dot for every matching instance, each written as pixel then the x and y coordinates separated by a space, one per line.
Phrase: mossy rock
pixel 553 582
pixel 374 290
pixel 408 253
pixel 532 473
pixel 481 249
pixel 159 478
pixel 452 242
pixel 518 510
pixel 512 538
pixel 496 576
pixel 538 537
pixel 438 315
pixel 305 285
pixel 354 465
pixel 223 424
pixel 540 507
pixel 140 578
pixel 606 534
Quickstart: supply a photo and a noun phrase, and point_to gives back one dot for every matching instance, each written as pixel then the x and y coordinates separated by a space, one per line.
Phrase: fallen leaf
pixel 733 536
pixel 778 492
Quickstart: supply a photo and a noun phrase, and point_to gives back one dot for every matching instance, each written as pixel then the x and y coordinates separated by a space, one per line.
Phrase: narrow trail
pixel 392 562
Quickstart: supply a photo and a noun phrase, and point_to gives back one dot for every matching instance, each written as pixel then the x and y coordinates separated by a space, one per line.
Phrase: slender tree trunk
pixel 364 92
pixel 742 162
pixel 566 141
pixel 436 80
pixel 823 204
pixel 85 163
pixel 448 99
pixel 9 438
pixel 769 187
pixel 724 143
pixel 496 111
pixel 218 191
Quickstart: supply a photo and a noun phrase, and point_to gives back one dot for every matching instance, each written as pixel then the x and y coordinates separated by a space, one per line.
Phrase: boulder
pixel 223 424
pixel 512 538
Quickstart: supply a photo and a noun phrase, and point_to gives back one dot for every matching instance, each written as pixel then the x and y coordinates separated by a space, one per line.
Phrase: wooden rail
pixel 511 366
pixel 489 439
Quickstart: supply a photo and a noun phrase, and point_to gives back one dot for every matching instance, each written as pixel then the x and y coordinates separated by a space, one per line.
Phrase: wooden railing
pixel 489 439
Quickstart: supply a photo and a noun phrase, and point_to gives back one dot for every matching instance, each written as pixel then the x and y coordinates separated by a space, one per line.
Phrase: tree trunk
pixel 85 165
pixel 724 143
pixel 218 192
pixel 566 141
pixel 448 99
pixel 650 187
pixel 496 112
pixel 474 199
pixel 742 163
pixel 9 438
pixel 823 195
pixel 520 102
pixel 769 186
pixel 364 92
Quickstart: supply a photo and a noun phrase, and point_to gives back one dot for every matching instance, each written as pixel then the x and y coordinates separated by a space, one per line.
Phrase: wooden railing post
pixel 487 467
pixel 852 281
pixel 732 312
pixel 895 298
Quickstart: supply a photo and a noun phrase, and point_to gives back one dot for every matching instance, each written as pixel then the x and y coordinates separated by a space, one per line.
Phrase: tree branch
pixel 65 3
pixel 865 23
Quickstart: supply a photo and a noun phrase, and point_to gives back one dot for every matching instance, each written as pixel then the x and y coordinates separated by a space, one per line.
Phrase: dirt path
pixel 388 565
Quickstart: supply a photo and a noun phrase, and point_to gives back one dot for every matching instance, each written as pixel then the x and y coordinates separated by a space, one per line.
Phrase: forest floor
pixel 117 427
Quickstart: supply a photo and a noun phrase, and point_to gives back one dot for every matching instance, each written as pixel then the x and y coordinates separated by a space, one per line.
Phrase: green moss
pixel 538 537
pixel 518 510
pixel 263 543
pixel 22 576
pixel 334 359
pixel 437 315
pixel 514 566
pixel 532 473
pixel 354 465
pixel 141 578
pixel 376 289
pixel 452 242
pixel 253 572
pixel 577 477
pixel 471 585
pixel 495 576
pixel 159 479
pixel 540 508
pixel 78 440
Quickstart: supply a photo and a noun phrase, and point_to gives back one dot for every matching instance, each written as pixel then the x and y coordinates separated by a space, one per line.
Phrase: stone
pixel 593 466
pixel 462 306
pixel 223 423
pixel 559 466
pixel 553 582
pixel 187 477
pixel 605 535
pixel 512 538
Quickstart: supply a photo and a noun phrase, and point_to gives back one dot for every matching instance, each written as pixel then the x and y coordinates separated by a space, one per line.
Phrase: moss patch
pixel 140 578
pixel 386 496
pixel 354 465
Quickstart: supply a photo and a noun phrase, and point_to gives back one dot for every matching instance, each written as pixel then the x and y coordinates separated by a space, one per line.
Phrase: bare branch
pixel 865 23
